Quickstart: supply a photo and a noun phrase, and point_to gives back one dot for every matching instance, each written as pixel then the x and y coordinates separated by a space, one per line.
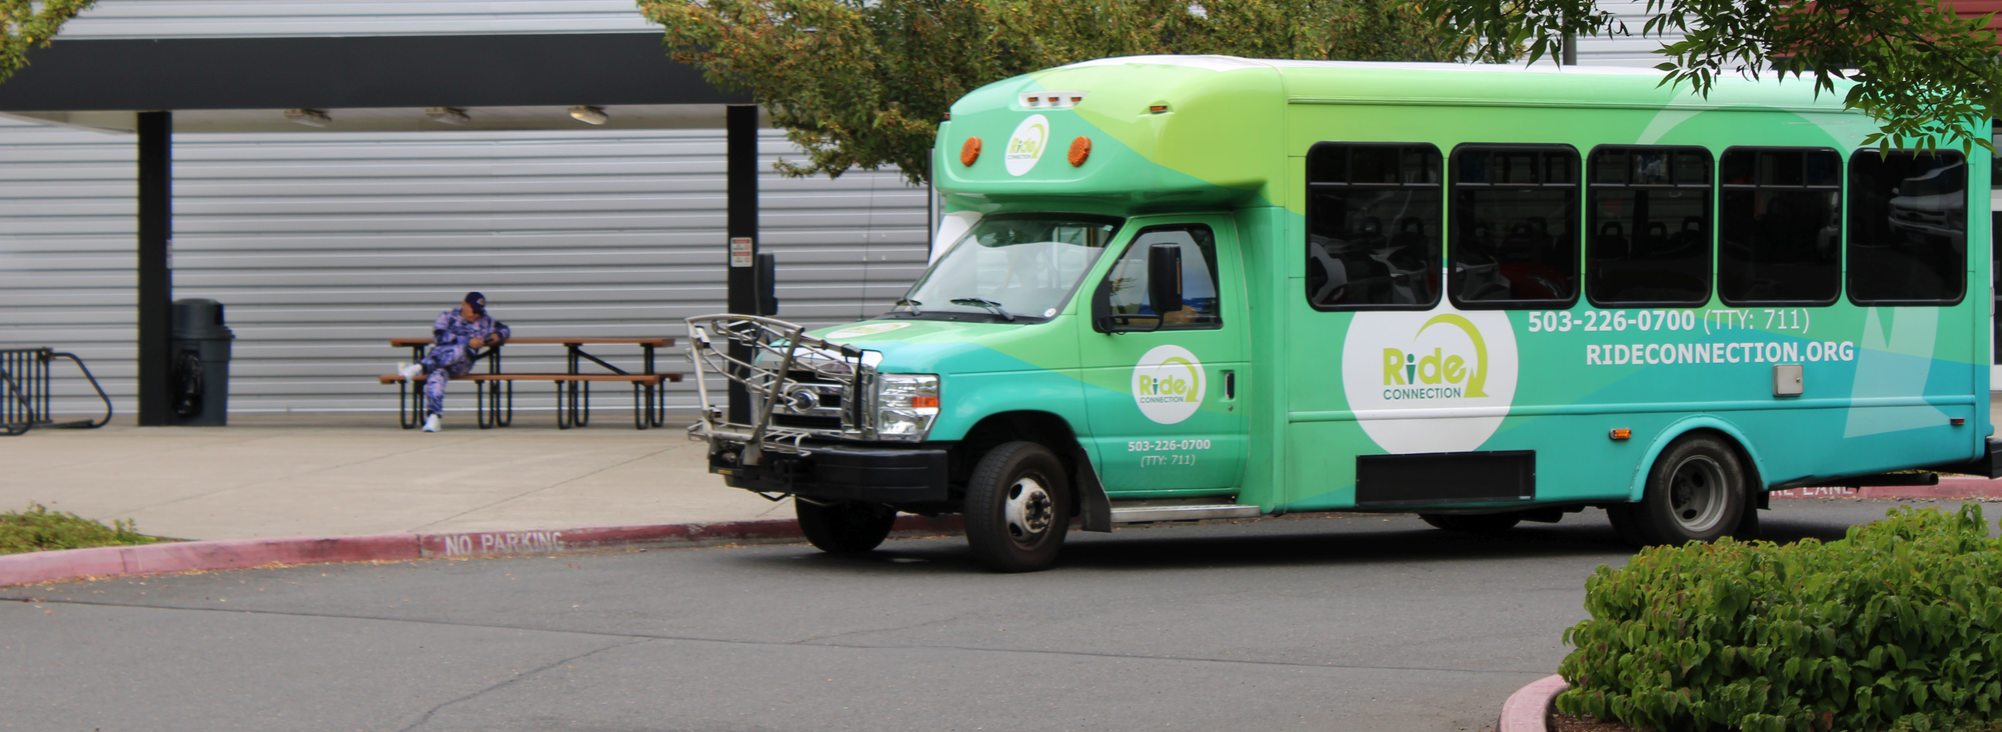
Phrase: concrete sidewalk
pixel 356 475
pixel 321 475
pixel 315 488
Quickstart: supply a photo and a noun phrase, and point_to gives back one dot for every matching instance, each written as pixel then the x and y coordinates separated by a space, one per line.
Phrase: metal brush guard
pixel 768 356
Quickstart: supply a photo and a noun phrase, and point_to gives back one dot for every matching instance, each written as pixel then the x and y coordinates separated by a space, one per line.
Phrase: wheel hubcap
pixel 1696 494
pixel 1029 511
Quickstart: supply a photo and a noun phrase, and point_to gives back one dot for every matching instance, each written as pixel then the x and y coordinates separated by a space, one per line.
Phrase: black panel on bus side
pixel 1445 477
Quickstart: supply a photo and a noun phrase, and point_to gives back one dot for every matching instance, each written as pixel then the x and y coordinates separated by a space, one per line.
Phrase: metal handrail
pixel 25 404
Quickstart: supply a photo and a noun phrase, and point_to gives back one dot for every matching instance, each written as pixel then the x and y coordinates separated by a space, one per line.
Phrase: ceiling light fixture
pixel 309 117
pixel 589 114
pixel 448 116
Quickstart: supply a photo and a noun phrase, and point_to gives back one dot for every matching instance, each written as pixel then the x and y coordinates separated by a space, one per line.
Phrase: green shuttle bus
pixel 1179 288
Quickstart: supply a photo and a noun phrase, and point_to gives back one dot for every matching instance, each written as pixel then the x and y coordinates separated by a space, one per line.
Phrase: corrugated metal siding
pixel 246 18
pixel 1637 51
pixel 324 246
pixel 1632 50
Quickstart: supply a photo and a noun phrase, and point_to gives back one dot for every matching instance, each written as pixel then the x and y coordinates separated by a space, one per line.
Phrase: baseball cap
pixel 478 301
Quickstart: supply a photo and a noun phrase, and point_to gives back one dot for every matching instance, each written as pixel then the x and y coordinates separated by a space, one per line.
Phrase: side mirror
pixel 1164 278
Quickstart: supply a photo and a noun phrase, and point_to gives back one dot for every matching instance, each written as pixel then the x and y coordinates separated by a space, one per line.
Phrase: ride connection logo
pixel 1437 373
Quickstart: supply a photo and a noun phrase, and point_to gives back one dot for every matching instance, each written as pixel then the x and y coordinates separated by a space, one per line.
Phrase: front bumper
pixel 892 475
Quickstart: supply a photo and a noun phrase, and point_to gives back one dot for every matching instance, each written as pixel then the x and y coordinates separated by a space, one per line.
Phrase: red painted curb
pixel 1528 709
pixel 17 569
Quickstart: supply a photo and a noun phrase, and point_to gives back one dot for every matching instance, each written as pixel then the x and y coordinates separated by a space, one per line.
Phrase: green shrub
pixel 39 529
pixel 1899 625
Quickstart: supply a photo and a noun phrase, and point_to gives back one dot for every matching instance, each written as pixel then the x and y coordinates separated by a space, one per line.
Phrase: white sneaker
pixel 410 372
pixel 431 423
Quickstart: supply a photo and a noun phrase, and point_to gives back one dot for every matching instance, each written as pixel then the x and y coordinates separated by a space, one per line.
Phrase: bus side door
pixel 1164 390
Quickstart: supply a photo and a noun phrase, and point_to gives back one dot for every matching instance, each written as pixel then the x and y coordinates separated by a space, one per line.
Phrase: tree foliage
pixel 1927 76
pixel 26 24
pixel 864 83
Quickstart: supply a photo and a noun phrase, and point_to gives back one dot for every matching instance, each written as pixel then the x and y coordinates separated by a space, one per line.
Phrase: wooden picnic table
pixel 649 396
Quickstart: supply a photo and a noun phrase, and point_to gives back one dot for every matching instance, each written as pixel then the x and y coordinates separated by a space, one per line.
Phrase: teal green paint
pixel 1229 152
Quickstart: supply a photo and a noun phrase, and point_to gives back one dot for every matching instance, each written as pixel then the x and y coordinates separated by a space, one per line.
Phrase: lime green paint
pixel 1228 151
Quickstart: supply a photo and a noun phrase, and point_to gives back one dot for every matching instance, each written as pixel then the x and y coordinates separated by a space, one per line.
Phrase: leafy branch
pixel 864 83
pixel 26 24
pixel 1927 76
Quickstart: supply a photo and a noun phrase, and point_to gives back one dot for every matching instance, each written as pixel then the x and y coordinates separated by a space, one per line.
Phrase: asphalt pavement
pixel 1346 622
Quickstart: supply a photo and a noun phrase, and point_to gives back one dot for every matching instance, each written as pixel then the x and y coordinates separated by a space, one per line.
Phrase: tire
pixel 1621 516
pixel 1695 492
pixel 844 527
pixel 1473 523
pixel 1018 508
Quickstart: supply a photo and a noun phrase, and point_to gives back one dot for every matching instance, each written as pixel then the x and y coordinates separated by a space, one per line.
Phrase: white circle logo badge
pixel 1025 146
pixel 868 330
pixel 1439 381
pixel 1168 384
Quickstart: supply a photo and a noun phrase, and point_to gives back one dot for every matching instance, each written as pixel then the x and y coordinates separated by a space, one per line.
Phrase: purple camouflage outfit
pixel 451 352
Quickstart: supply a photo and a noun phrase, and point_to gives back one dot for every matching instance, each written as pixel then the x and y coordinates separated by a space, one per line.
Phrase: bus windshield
pixel 1009 268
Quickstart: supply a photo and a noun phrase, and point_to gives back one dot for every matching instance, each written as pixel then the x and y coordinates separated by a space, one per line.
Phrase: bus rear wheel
pixel 844 527
pixel 1695 492
pixel 1018 508
pixel 1476 523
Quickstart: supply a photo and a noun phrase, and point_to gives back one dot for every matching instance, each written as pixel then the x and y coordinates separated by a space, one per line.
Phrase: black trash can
pixel 199 384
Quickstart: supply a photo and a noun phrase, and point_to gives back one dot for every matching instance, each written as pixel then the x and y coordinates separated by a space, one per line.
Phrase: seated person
pixel 455 336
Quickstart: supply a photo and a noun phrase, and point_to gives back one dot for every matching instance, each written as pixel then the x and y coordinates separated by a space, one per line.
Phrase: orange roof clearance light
pixel 969 152
pixel 1157 108
pixel 1080 151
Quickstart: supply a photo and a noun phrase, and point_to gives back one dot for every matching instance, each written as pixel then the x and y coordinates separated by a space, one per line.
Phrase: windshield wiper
pixel 992 306
pixel 908 303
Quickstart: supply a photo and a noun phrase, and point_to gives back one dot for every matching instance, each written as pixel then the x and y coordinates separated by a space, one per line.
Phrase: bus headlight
pixel 906 406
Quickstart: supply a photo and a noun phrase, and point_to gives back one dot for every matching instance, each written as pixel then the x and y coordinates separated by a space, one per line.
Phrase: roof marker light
pixel 1049 100
pixel 969 152
pixel 1159 108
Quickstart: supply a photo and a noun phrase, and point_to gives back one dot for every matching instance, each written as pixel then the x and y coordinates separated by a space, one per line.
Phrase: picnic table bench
pixel 494 389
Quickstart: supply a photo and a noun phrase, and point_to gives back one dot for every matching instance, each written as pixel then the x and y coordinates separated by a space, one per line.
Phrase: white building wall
pixel 324 246
pixel 268 18
pixel 1631 50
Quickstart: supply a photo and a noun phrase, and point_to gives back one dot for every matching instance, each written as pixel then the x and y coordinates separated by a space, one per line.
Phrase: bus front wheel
pixel 1695 492
pixel 844 527
pixel 1018 505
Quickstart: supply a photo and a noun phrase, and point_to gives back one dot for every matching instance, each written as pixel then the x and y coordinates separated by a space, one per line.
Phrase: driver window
pixel 1127 284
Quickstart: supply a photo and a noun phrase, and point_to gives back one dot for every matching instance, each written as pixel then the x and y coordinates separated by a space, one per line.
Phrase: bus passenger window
pixel 1649 211
pixel 1779 220
pixel 1373 215
pixel 1907 227
pixel 1506 252
pixel 1126 286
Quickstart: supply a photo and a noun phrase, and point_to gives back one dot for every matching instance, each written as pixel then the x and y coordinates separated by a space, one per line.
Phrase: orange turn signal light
pixel 924 402
pixel 1621 433
pixel 970 151
pixel 1080 150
